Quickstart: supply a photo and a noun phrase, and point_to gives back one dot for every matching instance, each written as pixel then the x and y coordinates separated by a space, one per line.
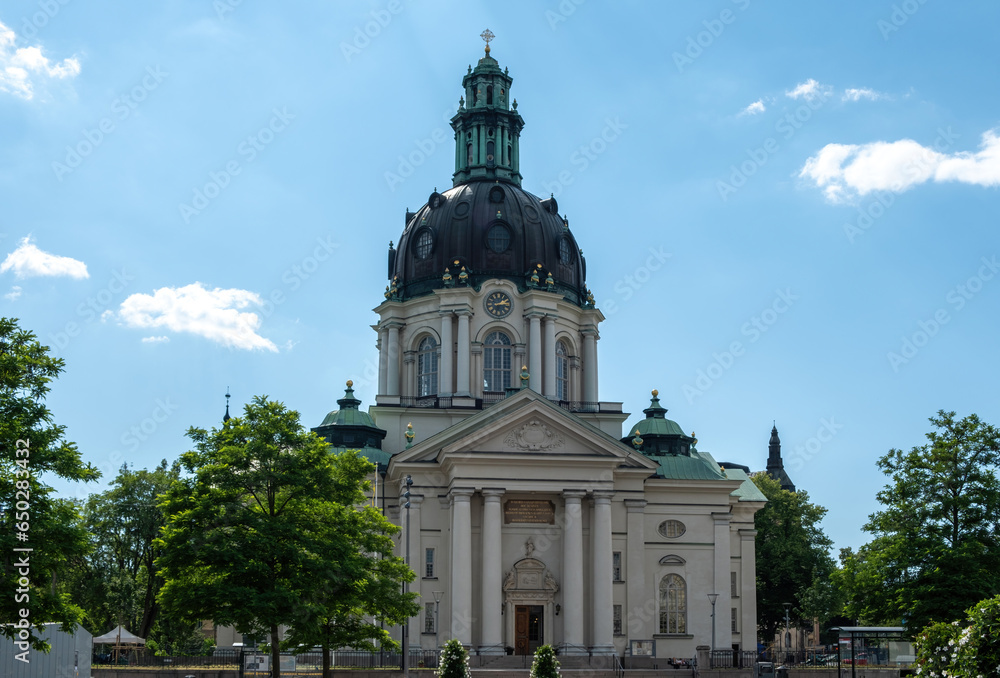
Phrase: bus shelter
pixel 888 646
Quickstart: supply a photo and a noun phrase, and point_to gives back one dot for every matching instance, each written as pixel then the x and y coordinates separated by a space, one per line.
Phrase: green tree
pixel 935 550
pixel 267 514
pixel 544 665
pixel 454 661
pixel 119 581
pixel 793 558
pixel 33 448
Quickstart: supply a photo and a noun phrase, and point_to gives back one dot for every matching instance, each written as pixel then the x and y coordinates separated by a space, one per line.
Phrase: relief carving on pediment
pixel 533 436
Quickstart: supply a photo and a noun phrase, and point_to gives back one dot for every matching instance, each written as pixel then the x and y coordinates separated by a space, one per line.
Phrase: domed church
pixel 532 516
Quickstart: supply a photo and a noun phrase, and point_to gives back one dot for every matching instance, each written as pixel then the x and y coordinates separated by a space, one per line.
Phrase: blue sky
pixel 788 212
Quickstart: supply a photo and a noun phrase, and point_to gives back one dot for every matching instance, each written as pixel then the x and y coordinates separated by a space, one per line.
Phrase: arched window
pixel 469 158
pixel 425 243
pixel 496 362
pixel 490 146
pixel 427 367
pixel 489 95
pixel 673 604
pixel 562 371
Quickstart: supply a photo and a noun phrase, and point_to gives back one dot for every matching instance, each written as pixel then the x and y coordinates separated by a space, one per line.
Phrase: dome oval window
pixel 671 529
pixel 425 244
pixel 498 238
pixel 565 251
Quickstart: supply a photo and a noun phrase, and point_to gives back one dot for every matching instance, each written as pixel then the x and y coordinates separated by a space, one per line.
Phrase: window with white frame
pixel 496 362
pixel 428 563
pixel 673 604
pixel 428 617
pixel 427 367
pixel 734 618
pixel 616 566
pixel 562 371
pixel 617 620
pixel 734 591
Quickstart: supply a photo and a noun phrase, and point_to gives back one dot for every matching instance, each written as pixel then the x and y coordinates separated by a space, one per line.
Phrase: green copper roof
pixel 696 467
pixel 748 491
pixel 372 454
pixel 348 414
pixel 660 436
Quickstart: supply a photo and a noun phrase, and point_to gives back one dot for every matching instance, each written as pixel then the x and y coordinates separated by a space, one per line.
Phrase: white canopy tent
pixel 122 639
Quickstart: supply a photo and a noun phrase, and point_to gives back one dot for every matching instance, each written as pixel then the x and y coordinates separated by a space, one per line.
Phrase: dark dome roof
pixel 493 229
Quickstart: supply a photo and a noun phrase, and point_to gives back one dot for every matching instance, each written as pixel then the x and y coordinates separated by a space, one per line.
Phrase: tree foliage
pixel 544 665
pixel 793 558
pixel 268 531
pixel 33 448
pixel 118 582
pixel 454 661
pixel 971 650
pixel 935 550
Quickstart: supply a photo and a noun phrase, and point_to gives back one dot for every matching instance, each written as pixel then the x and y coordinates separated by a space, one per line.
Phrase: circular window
pixel 461 209
pixel 425 243
pixel 496 194
pixel 498 238
pixel 565 251
pixel 671 529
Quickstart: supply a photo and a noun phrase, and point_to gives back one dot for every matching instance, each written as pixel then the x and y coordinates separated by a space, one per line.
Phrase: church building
pixel 528 514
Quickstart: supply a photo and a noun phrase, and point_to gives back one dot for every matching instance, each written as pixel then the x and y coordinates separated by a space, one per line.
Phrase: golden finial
pixel 655 393
pixel 350 383
pixel 487 35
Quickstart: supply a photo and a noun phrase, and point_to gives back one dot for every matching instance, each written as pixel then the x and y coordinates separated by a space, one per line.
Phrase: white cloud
pixel 28 261
pixel 14 293
pixel 864 93
pixel 846 171
pixel 155 340
pixel 19 66
pixel 212 314
pixel 754 108
pixel 807 89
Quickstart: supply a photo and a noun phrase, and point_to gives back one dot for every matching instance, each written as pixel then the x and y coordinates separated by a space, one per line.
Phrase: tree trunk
pixel 326 659
pixel 275 653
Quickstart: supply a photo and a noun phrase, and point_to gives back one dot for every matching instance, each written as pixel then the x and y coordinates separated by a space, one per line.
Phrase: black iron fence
pixel 732 659
pixel 233 658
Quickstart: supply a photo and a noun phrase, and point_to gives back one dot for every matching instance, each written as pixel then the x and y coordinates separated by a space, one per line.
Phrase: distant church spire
pixel 226 417
pixel 775 466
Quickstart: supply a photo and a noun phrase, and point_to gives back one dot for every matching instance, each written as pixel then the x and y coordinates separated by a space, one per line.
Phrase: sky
pixel 788 210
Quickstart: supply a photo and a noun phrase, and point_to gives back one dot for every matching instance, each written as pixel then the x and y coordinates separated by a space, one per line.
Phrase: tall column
pixel 416 561
pixel 492 586
pixel 462 387
pixel 535 352
pixel 461 565
pixel 549 385
pixel 590 365
pixel 723 552
pixel 747 581
pixel 383 359
pixel 601 600
pixel 447 355
pixel 392 371
pixel 635 571
pixel 410 374
pixel 572 591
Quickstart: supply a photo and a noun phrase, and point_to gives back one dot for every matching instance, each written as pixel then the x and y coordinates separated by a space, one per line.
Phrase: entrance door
pixel 528 628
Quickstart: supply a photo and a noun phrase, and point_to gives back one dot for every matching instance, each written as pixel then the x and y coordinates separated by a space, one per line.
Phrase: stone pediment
pixel 525 423
pixel 530 574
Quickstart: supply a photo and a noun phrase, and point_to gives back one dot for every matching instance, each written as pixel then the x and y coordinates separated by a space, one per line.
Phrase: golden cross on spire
pixel 487 35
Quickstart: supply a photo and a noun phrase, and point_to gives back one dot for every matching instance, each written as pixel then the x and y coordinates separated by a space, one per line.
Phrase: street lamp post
pixel 713 597
pixel 437 618
pixel 406 585
pixel 788 636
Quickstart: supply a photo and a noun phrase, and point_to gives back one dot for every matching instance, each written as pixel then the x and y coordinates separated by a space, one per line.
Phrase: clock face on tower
pixel 498 304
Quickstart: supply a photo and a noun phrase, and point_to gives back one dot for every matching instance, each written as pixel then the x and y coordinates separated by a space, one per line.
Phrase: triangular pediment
pixel 524 424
